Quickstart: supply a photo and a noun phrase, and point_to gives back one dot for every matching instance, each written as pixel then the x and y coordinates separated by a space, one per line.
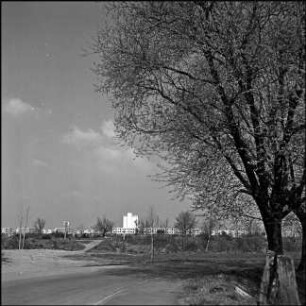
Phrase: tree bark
pixel 302 217
pixel 278 284
pixel 273 229
pixel 302 265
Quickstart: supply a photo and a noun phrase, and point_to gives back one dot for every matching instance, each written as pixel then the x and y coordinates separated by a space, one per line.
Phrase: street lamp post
pixel 66 226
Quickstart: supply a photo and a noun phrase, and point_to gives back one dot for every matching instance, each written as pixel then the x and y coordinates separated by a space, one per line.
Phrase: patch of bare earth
pixel 27 263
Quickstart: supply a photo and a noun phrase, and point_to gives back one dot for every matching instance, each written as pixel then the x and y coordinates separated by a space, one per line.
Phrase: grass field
pixel 210 278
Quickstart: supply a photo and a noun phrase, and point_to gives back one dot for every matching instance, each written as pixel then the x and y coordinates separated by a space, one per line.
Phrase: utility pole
pixel 26 225
pixel 66 226
pixel 20 229
pixel 152 245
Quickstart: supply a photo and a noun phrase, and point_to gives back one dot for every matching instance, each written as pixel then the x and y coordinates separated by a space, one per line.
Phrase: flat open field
pixel 97 277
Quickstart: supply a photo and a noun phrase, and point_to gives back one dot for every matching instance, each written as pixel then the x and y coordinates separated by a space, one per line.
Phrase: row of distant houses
pixel 30 230
pixel 116 230
pixel 131 226
pixel 173 231
pixel 131 231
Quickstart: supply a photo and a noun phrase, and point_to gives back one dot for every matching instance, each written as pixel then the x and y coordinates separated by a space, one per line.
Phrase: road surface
pixel 102 287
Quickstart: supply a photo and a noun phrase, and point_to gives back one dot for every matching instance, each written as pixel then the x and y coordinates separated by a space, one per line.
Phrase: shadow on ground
pixel 4 259
pixel 245 269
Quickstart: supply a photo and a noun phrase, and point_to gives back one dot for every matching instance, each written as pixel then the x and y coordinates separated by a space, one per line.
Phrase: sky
pixel 59 153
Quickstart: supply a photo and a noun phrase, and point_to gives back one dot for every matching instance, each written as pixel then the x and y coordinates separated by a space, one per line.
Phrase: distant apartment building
pixel 25 230
pixel 230 232
pixel 171 231
pixel 62 230
pixel 7 231
pixel 122 230
pixel 196 231
pixel 160 230
pixel 89 231
pixel 146 230
pixel 130 221
pixel 130 225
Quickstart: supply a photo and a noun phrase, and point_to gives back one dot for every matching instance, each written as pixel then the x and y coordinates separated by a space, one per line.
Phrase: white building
pixel 122 230
pixel 130 221
pixel 7 231
pixel 25 230
pixel 89 231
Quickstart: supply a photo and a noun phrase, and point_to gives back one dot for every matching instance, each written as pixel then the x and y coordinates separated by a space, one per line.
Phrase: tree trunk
pixel 19 242
pixel 302 217
pixel 273 229
pixel 207 245
pixel 302 265
pixel 152 246
pixel 278 284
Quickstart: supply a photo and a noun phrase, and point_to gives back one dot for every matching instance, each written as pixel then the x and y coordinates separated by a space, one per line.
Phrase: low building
pixel 172 231
pixel 47 231
pixel 230 232
pixel 25 230
pixel 145 231
pixel 61 230
pixel 89 231
pixel 122 230
pixel 196 231
pixel 7 231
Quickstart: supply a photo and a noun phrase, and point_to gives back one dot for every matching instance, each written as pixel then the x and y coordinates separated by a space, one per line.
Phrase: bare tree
pixel 153 221
pixel 104 225
pixel 39 225
pixel 165 223
pixel 214 83
pixel 25 226
pixel 20 223
pixel 209 224
pixel 185 222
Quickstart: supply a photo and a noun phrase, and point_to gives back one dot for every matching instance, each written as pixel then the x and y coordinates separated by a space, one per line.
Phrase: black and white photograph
pixel 153 153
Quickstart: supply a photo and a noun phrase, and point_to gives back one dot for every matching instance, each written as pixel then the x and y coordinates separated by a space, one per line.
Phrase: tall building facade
pixel 130 221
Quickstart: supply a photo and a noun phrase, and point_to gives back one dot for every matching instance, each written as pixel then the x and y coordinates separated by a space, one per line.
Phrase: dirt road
pixel 46 277
pixel 93 288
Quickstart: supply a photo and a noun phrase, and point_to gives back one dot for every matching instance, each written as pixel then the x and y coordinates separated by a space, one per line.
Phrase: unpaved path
pixel 47 277
pixel 95 288
pixel 31 263
pixel 89 245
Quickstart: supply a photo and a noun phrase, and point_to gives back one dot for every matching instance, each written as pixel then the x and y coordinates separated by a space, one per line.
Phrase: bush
pixel 160 241
pixel 106 246
pixel 192 246
pixel 221 244
pixel 67 245
pixel 244 244
pixel 58 235
pixel 33 243
pixel 9 243
pixel 46 236
pixel 138 239
pixel 226 236
pixel 171 248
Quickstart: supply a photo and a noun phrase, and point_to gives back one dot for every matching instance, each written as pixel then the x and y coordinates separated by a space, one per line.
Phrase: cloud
pixel 17 107
pixel 39 163
pixel 105 150
pixel 81 138
pixel 108 128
